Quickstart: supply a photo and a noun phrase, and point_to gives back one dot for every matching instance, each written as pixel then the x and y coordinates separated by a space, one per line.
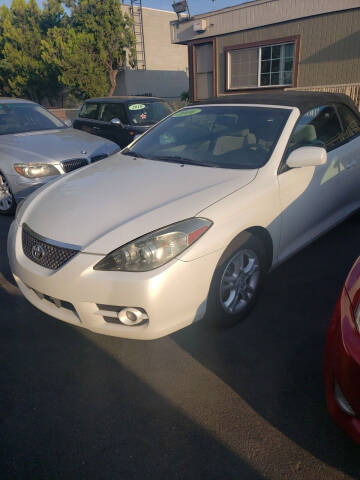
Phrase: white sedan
pixel 184 223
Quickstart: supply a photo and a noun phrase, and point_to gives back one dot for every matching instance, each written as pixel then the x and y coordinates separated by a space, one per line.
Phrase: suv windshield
pixel 26 117
pixel 147 113
pixel 220 136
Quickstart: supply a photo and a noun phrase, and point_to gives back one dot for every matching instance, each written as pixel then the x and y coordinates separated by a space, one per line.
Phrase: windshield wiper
pixel 132 154
pixel 182 160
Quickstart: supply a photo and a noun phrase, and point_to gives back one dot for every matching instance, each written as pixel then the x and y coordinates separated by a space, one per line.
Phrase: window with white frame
pixel 261 66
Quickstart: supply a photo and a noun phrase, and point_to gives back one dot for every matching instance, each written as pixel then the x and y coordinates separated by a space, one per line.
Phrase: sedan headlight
pixel 155 249
pixel 36 170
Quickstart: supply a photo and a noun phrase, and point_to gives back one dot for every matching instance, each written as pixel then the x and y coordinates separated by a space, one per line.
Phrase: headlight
pixel 156 248
pixel 36 170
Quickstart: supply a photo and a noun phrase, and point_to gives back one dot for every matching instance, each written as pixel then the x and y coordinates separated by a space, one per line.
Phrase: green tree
pixel 71 55
pixel 22 70
pixel 53 15
pixel 4 13
pixel 112 31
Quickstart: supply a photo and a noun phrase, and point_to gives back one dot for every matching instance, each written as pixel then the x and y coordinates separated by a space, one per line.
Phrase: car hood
pixel 53 145
pixel 107 204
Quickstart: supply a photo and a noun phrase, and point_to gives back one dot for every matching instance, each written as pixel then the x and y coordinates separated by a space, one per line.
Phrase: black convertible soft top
pixel 303 100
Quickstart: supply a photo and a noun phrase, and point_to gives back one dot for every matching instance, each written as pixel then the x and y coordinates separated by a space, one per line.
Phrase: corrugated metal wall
pixel 256 13
pixel 329 47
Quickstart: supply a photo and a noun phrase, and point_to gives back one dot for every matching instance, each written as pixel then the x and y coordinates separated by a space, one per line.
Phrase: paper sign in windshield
pixel 187 112
pixel 137 106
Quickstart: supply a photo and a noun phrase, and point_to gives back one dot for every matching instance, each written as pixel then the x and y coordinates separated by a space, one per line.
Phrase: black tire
pixel 7 206
pixel 250 247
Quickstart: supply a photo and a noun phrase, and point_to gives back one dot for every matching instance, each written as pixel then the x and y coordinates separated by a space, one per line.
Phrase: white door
pixel 350 152
pixel 313 198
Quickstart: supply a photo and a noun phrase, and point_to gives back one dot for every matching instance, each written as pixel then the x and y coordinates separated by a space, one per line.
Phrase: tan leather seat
pixel 229 143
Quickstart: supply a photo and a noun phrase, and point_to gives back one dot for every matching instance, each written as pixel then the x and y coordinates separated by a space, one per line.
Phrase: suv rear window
pixel 89 110
pixel 147 113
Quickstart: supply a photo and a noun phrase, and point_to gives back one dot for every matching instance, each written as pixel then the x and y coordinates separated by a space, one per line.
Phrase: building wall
pixel 160 53
pixel 166 73
pixel 159 83
pixel 256 13
pixel 329 47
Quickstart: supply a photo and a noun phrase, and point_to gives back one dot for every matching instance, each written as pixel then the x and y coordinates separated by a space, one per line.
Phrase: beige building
pixel 273 44
pixel 162 65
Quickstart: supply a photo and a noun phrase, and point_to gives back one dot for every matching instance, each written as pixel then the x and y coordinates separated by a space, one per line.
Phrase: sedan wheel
pixel 7 201
pixel 236 282
pixel 239 281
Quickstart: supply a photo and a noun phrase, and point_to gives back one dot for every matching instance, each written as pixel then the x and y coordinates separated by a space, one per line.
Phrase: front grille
pixel 73 164
pixel 96 158
pixel 44 253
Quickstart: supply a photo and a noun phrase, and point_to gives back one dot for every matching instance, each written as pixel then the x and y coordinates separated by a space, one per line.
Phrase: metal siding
pixel 256 14
pixel 329 47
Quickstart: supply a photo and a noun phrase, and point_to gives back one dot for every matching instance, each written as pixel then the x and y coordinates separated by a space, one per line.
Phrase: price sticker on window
pixel 137 106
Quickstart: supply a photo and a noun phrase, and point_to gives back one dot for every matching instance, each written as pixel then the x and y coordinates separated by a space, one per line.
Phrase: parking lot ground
pixel 244 403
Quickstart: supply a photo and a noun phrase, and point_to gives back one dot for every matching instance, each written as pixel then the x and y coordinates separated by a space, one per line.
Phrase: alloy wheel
pixel 6 198
pixel 239 281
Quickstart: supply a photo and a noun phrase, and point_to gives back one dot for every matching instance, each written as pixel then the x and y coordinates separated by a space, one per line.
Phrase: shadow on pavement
pixel 70 410
pixel 245 403
pixel 274 358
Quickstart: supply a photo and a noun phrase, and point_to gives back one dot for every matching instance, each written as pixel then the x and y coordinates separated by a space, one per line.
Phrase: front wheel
pixel 236 283
pixel 7 200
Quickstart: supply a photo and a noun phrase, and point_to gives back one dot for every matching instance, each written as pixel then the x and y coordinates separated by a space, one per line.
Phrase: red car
pixel 342 357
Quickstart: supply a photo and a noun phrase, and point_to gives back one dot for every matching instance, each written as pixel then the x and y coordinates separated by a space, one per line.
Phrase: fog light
pixel 132 316
pixel 343 403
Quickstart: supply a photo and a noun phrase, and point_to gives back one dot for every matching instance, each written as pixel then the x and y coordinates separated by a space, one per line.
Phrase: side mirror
pixel 116 121
pixel 307 157
pixel 68 122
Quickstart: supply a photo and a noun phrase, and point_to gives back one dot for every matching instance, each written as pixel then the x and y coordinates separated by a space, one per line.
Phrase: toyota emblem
pixel 38 252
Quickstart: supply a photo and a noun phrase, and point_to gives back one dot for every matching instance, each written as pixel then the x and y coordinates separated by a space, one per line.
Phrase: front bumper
pixel 342 369
pixel 22 187
pixel 173 296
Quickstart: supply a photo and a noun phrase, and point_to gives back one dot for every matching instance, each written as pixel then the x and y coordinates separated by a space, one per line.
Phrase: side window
pixel 351 123
pixel 108 111
pixel 89 110
pixel 318 127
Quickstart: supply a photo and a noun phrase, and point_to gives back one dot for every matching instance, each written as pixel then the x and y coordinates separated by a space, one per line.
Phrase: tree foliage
pixel 72 55
pixel 114 41
pixel 81 48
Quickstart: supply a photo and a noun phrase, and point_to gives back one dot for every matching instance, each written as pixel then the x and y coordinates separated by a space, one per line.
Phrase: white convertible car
pixel 184 223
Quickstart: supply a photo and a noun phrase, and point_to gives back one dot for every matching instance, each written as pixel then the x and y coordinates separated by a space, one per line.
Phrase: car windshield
pixel 147 113
pixel 26 117
pixel 223 136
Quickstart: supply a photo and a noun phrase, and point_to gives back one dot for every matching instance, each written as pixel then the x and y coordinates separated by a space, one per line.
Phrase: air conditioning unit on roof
pixel 200 25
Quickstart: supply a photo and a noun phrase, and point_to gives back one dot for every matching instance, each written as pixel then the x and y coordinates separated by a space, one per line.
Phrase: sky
pixel 195 6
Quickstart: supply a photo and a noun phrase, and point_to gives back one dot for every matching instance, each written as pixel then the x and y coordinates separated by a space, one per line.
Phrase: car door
pixel 87 119
pixel 113 131
pixel 312 198
pixel 350 152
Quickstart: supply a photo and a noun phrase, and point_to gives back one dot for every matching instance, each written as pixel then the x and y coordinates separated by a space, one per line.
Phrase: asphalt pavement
pixel 243 403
